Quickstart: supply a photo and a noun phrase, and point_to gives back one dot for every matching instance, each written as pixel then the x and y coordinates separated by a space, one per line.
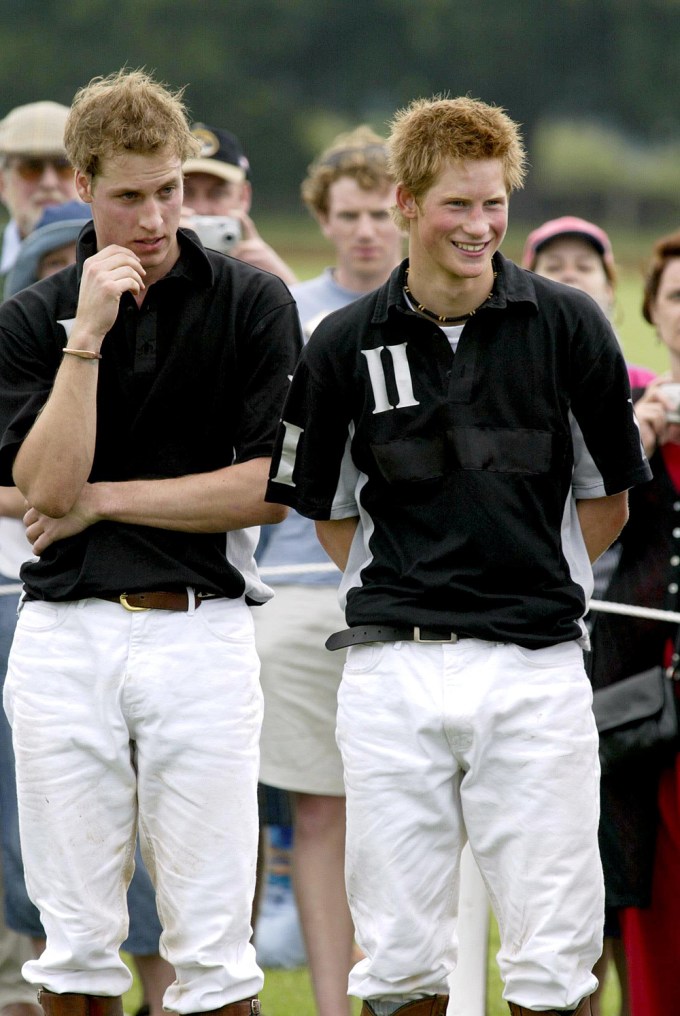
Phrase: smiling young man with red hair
pixel 464 439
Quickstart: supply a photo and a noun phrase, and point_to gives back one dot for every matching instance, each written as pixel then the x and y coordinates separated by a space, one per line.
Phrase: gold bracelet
pixel 84 354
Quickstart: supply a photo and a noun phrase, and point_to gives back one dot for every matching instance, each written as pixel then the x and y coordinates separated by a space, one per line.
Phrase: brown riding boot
pixel 246 1007
pixel 431 1005
pixel 519 1010
pixel 79 1005
pixel 21 1009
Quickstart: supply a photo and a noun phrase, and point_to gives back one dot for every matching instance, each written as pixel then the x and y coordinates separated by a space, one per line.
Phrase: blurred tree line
pixel 594 82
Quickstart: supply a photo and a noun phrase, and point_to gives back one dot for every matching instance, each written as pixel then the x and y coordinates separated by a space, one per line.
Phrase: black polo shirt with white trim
pixel 192 381
pixel 464 470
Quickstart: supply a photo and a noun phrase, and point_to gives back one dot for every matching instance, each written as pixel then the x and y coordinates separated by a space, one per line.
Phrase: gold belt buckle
pixel 128 606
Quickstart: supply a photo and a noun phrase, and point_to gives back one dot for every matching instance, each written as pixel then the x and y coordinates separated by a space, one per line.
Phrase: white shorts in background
pixel 151 717
pixel 484 741
pixel 300 679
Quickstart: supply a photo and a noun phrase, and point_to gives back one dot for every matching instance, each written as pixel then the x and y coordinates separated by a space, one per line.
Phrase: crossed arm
pixel 229 498
pixel 55 460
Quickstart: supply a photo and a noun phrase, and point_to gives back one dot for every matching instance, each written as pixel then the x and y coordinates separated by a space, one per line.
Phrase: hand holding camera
pixel 218 232
pixel 658 413
pixel 239 237
pixel 670 392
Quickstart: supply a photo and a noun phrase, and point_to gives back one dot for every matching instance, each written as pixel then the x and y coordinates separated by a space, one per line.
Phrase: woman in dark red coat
pixel 652 932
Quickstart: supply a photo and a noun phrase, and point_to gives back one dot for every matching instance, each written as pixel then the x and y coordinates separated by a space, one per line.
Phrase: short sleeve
pixel 312 468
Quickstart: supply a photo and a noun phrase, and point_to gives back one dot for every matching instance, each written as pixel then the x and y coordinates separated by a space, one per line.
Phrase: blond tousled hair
pixel 127 111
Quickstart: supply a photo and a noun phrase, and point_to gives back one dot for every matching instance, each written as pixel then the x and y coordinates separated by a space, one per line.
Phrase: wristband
pixel 84 354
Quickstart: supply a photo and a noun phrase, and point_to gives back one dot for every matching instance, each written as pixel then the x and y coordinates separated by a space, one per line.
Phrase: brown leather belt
pixel 159 600
pixel 361 634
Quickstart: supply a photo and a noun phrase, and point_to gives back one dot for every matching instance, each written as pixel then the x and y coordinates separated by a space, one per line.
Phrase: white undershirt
pixel 452 332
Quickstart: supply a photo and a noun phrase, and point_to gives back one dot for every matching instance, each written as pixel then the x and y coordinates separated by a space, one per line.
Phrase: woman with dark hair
pixel 652 932
pixel 579 254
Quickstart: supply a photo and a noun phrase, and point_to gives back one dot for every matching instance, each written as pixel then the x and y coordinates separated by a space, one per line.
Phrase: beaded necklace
pixel 442 319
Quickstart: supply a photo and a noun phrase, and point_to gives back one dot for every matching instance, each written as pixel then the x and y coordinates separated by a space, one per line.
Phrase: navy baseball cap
pixel 221 155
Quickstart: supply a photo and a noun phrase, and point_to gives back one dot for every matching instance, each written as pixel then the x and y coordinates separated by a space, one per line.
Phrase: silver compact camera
pixel 219 232
pixel 670 392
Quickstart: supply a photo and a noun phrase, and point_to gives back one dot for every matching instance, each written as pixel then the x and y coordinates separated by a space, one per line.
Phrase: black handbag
pixel 637 718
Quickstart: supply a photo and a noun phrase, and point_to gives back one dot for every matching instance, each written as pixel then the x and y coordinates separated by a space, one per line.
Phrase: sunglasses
pixel 31 169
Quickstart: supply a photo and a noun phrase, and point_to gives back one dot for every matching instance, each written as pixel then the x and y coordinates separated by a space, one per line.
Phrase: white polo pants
pixel 154 717
pixel 486 741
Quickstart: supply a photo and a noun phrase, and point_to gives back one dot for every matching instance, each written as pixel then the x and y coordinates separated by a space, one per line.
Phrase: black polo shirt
pixel 463 469
pixel 192 381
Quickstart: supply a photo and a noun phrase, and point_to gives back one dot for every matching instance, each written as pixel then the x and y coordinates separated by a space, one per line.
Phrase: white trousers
pixel 122 718
pixel 484 741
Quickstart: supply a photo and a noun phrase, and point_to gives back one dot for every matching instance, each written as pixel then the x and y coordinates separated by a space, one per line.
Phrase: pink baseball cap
pixel 568 225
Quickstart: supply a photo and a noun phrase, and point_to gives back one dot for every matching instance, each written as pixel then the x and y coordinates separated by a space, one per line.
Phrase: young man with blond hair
pixel 140 393
pixel 350 191
pixel 428 431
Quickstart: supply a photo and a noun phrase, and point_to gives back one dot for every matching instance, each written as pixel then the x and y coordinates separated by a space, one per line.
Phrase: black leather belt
pixel 386 633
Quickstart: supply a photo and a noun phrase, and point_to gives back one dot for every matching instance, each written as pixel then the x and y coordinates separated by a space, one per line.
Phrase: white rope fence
pixel 631 610
pixel 272 571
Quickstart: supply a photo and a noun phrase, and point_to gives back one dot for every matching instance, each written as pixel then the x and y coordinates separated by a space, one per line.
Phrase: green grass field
pixel 288 992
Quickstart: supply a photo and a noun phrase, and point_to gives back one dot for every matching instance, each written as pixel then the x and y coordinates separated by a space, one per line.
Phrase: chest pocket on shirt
pixel 411 459
pixel 502 450
pixel 496 450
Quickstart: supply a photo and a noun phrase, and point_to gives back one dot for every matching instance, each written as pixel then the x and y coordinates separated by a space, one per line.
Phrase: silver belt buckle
pixel 451 640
